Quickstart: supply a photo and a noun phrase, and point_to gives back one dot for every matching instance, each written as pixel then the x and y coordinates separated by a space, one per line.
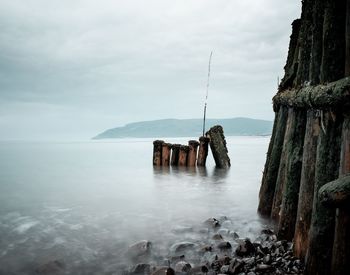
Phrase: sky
pixel 74 68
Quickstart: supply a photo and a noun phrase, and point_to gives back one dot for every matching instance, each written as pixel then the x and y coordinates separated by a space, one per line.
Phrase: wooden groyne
pixel 305 187
pixel 195 153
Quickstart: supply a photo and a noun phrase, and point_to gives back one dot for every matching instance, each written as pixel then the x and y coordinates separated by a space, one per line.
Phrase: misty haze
pixel 86 89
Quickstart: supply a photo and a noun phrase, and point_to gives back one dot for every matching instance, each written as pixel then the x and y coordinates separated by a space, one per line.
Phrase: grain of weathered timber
pixel 203 151
pixel 341 245
pixel 218 146
pixel 286 226
pixel 336 193
pixel 157 152
pixel 192 154
pixel 333 57
pixel 175 150
pixel 291 67
pixel 305 42
pixel 307 181
pixel 316 43
pixel 268 183
pixel 323 218
pixel 166 151
pixel 347 39
pixel 282 169
pixel 183 155
pixel 334 94
pixel 345 147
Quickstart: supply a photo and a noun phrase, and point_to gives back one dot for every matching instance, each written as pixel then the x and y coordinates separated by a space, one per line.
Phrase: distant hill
pixel 239 126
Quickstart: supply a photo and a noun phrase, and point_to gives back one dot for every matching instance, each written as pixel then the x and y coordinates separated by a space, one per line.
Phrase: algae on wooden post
pixel 202 151
pixel 218 146
pixel 268 183
pixel 307 181
pixel 321 232
pixel 192 154
pixel 157 152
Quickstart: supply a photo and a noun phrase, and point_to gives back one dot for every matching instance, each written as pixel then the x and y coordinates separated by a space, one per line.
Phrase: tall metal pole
pixel 206 96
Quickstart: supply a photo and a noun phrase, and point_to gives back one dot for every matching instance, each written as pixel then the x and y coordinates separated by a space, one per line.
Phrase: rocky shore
pixel 219 251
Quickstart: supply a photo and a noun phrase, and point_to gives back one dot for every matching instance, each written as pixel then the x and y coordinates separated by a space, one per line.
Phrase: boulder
pixel 245 247
pixel 141 248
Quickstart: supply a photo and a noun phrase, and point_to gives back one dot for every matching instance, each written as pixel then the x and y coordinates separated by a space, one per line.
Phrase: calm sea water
pixel 84 203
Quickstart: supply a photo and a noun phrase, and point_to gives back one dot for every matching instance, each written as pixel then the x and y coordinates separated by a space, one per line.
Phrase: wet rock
pixel 236 266
pixel 199 269
pixel 262 267
pixel 182 247
pixel 182 266
pixel 267 259
pixel 141 269
pixel 212 223
pixel 217 237
pixel 206 248
pixel 267 232
pixel 224 245
pixel 142 248
pixel 245 248
pixel 52 267
pixel 224 269
pixel 164 271
pixel 224 232
pixel 234 235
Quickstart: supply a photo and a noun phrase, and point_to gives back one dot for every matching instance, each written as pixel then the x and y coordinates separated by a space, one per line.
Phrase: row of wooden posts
pixel 306 181
pixel 195 153
pixel 165 154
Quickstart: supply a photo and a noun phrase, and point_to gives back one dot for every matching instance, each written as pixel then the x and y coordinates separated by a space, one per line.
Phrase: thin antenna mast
pixel 206 96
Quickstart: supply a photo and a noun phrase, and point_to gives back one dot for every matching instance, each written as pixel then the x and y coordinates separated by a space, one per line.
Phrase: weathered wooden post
pixel 157 152
pixel 307 181
pixel 183 152
pixel 347 40
pixel 336 194
pixel 289 207
pixel 203 151
pixel 192 154
pixel 166 151
pixel 321 234
pixel 218 146
pixel 268 184
pixel 175 148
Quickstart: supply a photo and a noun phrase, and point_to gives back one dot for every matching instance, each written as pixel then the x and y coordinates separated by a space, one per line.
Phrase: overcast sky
pixel 71 68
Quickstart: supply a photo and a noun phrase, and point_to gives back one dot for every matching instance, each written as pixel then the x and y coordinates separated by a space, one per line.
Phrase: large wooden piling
pixel 192 153
pixel 175 150
pixel 336 194
pixel 294 149
pixel 321 232
pixel 183 152
pixel 203 151
pixel 218 146
pixel 268 183
pixel 166 151
pixel 307 181
pixel 157 152
pixel 347 39
pixel 282 169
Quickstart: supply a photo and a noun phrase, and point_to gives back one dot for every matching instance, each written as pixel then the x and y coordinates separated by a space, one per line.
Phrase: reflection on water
pixel 83 204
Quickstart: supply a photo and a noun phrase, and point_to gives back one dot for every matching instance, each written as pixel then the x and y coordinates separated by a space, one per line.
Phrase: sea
pixel 78 206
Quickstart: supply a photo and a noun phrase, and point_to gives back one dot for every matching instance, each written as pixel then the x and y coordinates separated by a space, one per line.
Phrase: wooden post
pixel 321 234
pixel 218 146
pixel 183 155
pixel 341 246
pixel 307 181
pixel 336 194
pixel 268 183
pixel 175 148
pixel 166 150
pixel 347 39
pixel 157 152
pixel 282 169
pixel 203 151
pixel 192 154
pixel 286 226
pixel 333 57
